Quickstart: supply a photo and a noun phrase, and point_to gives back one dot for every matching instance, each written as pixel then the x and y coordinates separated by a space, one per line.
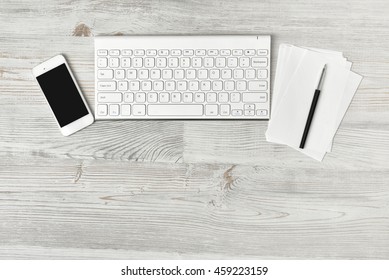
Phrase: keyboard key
pixel 125 62
pixel 213 52
pixel 120 74
pixel 262 112
pixel 211 110
pixel 202 74
pixel 151 52
pixel 139 52
pixel 237 52
pixel 176 52
pixel 178 74
pixel 257 85
pixel 254 97
pixel 131 74
pixel 104 74
pixel 158 85
pixel 217 85
pixel 123 85
pixel 232 62
pixel 241 85
pixel 129 97
pixel 250 74
pixel 175 110
pixel 238 74
pixel 249 112
pixel 259 62
pixel 214 74
pixel 102 110
pixel 205 85
pixel 149 62
pixel 114 110
pixel 152 97
pixel 249 52
pixel 102 52
pixel 161 62
pixel 143 74
pixel 190 74
pixel 193 85
pixel 262 52
pixel 244 62
pixel 163 52
pixel 155 74
pixel 249 106
pixel 211 97
pixel 237 112
pixel 106 86
pixel 224 110
pixel 137 62
pixel 164 97
pixel 235 97
pixel 134 85
pixel 223 97
pixel 220 62
pixel 167 74
pixel 139 110
pixel 113 62
pixel 173 62
pixel 199 97
pixel 182 85
pixel 188 52
pixel 208 62
pixel 126 52
pixel 146 85
pixel 140 97
pixel 176 97
pixel 225 52
pixel 200 52
pixel 187 97
pixel 184 62
pixel 226 74
pixel 196 62
pixel 102 62
pixel 262 74
pixel 229 85
pixel 114 52
pixel 126 109
pixel 170 85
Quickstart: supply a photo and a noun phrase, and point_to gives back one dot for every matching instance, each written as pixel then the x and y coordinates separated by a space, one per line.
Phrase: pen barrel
pixel 310 117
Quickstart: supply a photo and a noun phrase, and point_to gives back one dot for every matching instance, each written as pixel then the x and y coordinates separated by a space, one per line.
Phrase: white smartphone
pixel 63 95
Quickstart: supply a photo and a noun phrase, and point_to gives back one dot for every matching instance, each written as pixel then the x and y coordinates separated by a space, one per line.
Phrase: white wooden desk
pixel 189 189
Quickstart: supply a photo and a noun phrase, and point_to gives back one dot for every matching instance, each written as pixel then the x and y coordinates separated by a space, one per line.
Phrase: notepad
pixel 297 74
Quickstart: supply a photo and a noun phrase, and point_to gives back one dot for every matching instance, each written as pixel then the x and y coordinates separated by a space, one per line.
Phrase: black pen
pixel 312 110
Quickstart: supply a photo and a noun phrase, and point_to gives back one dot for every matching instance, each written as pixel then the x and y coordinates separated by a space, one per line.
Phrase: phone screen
pixel 62 95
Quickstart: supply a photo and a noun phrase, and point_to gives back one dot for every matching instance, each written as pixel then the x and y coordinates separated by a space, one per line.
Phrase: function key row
pixel 185 52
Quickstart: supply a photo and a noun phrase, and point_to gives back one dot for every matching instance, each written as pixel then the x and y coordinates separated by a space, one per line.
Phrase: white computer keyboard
pixel 182 77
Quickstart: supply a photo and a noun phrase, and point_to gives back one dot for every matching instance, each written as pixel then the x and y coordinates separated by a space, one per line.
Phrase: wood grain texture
pixel 189 189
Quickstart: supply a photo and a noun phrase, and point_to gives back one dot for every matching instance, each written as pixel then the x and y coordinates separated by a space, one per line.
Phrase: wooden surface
pixel 189 189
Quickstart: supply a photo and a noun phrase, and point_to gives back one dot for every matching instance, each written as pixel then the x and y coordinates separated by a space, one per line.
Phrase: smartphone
pixel 63 95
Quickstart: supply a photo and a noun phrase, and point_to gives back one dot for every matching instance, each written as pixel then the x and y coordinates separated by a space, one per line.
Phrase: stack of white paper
pixel 298 73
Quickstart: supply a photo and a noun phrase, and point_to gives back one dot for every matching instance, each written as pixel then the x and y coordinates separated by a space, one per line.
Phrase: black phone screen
pixel 62 95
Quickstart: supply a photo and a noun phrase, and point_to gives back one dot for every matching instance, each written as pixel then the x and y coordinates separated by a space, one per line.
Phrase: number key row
pixel 183 62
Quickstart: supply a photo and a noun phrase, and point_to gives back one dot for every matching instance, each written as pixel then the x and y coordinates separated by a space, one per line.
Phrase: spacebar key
pixel 175 110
